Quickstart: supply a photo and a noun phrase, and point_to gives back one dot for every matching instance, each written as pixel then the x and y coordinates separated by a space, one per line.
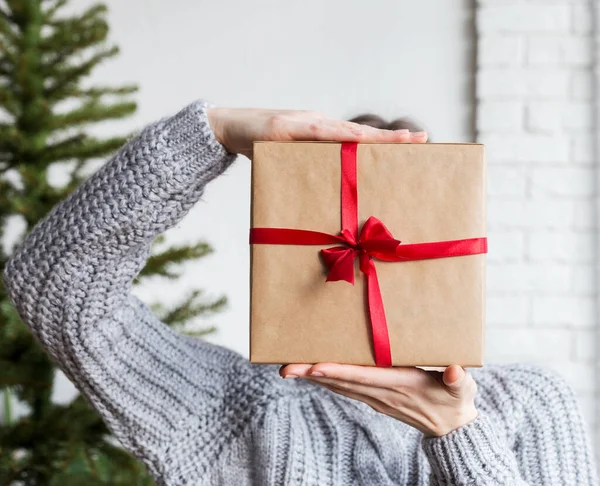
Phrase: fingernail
pixel 402 130
pixel 316 373
pixel 419 134
pixel 357 132
pixel 290 376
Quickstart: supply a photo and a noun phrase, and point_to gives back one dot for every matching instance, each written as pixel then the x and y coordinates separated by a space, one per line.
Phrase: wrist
pixel 463 417
pixel 215 121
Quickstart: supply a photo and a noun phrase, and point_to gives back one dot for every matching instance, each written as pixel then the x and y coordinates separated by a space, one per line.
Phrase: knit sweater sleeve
pixel 473 455
pixel 530 431
pixel 71 278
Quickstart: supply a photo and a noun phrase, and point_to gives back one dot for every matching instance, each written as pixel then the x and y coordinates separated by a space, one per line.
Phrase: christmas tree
pixel 45 107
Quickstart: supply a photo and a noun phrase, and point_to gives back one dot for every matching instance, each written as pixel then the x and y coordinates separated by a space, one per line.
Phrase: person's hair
pixel 376 121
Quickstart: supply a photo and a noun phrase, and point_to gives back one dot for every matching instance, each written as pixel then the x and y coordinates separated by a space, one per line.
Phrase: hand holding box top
pixel 426 195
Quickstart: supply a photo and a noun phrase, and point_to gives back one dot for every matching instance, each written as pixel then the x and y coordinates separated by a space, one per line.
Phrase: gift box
pixel 370 254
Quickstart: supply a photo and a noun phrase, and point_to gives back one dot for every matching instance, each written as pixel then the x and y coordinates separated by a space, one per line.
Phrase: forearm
pixel 145 188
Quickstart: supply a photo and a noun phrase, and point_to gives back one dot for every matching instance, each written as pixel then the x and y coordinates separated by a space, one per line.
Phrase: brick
pixel 582 149
pixel 529 277
pixel 544 50
pixel 584 214
pixel 585 345
pixel 583 280
pixel 582 16
pixel 581 84
pixel 531 148
pixel 506 246
pixel 578 116
pixel 544 115
pixel 504 116
pixel 528 345
pixel 563 182
pixel 536 83
pixel 506 181
pixel 577 51
pixel 500 51
pixel 568 247
pixel 577 311
pixel 507 310
pixel 523 18
pixel 541 214
pixel 503 214
pixel 565 50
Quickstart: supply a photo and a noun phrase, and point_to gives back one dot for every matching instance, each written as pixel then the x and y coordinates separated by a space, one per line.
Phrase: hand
pixel 433 402
pixel 238 128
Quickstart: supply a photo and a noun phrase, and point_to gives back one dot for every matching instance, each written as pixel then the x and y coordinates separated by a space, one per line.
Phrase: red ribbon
pixel 373 241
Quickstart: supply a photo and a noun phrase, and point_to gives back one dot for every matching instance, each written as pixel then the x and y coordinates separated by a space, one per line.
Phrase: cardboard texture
pixel 422 193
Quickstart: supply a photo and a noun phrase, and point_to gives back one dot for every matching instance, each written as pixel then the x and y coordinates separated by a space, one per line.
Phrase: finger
pixel 337 131
pixel 320 130
pixel 390 378
pixel 295 370
pixel 419 137
pixel 371 134
pixel 453 376
pixel 458 382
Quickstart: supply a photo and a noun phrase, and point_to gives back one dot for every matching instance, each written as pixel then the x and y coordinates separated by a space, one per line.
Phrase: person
pixel 200 414
pixel 403 123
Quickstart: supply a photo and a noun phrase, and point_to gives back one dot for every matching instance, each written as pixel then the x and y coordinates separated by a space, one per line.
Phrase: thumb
pixel 454 377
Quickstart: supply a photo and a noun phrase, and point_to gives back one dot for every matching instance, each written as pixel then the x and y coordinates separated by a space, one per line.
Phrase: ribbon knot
pixel 374 241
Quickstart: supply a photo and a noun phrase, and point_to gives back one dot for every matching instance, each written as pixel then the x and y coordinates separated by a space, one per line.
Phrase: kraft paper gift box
pixel 422 193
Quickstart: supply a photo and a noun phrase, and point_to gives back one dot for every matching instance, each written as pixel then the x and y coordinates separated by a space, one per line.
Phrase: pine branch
pixel 10 140
pixel 85 149
pixel 64 77
pixel 6 67
pixel 201 333
pixel 96 93
pixel 8 99
pixel 6 27
pixel 92 112
pixel 191 307
pixel 75 175
pixel 161 263
pixel 66 143
pixel 7 130
pixel 7 50
pixel 51 12
pixel 7 411
pixel 72 35
pixel 94 12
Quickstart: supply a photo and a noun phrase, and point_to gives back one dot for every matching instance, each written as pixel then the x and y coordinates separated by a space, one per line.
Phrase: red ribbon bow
pixel 374 241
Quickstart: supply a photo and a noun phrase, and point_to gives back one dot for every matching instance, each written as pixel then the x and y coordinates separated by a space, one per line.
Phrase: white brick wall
pixel 535 113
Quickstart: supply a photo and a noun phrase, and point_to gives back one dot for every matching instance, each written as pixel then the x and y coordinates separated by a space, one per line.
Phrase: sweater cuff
pixel 472 454
pixel 192 144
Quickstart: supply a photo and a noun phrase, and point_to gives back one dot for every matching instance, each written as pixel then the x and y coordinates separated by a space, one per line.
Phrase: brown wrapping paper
pixel 421 192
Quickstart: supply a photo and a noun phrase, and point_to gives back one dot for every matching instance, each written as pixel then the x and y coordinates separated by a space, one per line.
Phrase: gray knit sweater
pixel 199 414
